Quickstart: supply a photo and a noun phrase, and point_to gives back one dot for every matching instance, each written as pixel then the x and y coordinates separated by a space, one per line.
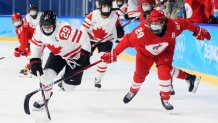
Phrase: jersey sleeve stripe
pixel 80 33
pixel 71 52
pixel 75 54
pixel 85 26
pixel 36 40
pixel 32 41
pixel 87 23
pixel 73 39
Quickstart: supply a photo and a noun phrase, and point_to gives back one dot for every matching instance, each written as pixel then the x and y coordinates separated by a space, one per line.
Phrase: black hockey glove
pixel 36 65
pixel 212 20
pixel 84 59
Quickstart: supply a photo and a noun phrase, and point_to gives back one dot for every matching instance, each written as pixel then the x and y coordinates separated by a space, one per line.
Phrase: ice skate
pixel 39 105
pixel 97 83
pixel 172 92
pixel 193 82
pixel 25 72
pixel 166 104
pixel 128 97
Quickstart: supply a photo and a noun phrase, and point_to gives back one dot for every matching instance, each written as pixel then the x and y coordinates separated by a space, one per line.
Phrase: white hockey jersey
pixel 123 9
pixel 33 22
pixel 65 41
pixel 100 29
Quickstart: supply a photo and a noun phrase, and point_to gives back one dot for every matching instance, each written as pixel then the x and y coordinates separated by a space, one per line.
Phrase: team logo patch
pixel 156 49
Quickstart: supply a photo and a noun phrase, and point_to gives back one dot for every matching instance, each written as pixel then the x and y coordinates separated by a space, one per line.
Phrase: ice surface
pixel 87 105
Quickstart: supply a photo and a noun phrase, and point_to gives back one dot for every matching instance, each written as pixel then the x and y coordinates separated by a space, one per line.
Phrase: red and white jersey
pixel 65 41
pixel 148 44
pixel 101 29
pixel 33 22
pixel 24 34
pixel 123 8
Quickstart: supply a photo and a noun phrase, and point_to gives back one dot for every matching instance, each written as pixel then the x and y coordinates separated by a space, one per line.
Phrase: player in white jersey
pixel 33 16
pixel 122 5
pixel 103 27
pixel 70 48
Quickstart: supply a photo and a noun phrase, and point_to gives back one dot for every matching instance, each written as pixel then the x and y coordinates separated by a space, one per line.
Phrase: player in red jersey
pixel 199 11
pixel 154 43
pixel 24 33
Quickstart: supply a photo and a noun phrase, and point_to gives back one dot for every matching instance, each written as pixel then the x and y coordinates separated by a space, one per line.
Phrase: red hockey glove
pixel 109 57
pixel 17 52
pixel 202 34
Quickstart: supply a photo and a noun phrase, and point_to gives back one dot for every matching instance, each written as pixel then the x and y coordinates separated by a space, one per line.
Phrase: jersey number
pixel 65 32
pixel 139 32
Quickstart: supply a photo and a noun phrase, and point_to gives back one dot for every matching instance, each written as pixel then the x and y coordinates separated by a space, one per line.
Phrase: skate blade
pixel 38 109
pixel 196 84
pixel 26 76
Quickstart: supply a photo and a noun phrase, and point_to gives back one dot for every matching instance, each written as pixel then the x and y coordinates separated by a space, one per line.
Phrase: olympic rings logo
pixel 180 46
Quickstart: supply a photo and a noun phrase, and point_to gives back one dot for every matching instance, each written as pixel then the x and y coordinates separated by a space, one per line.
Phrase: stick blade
pixel 27 101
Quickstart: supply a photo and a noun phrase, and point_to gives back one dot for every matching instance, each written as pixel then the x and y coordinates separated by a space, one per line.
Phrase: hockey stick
pixel 43 96
pixel 129 22
pixel 2 58
pixel 28 96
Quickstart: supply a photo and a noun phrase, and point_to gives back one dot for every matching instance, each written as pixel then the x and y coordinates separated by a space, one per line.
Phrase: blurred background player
pixel 33 16
pixel 24 33
pixel 103 27
pixel 199 11
pixel 122 6
pixel 155 43
pixel 70 48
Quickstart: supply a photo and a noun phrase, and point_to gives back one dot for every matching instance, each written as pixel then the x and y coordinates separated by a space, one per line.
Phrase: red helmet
pixel 147 1
pixel 16 16
pixel 156 16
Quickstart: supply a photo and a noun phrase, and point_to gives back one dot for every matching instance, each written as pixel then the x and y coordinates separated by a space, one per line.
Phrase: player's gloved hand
pixel 17 52
pixel 109 57
pixel 84 58
pixel 202 34
pixel 36 65
pixel 212 20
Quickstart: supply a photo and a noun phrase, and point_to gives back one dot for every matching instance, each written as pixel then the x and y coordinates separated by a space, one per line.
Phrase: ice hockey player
pixel 145 7
pixel 24 33
pixel 70 48
pixel 154 43
pixel 33 16
pixel 103 27
pixel 122 6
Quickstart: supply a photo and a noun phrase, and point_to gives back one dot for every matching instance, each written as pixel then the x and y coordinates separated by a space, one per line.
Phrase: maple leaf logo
pixel 99 33
pixel 55 50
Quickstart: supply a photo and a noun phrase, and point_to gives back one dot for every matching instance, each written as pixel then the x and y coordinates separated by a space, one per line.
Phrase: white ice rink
pixel 87 105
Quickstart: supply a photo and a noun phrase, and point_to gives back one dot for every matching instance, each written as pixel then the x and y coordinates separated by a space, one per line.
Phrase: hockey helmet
pixel 16 19
pixel 156 20
pixel 146 6
pixel 105 7
pixel 120 3
pixel 33 10
pixel 47 22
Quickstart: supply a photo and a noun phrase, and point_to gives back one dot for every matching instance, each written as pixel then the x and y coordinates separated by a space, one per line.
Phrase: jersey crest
pixel 55 50
pixel 156 49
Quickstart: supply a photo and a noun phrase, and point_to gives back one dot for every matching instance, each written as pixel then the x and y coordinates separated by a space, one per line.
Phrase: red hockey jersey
pixel 24 34
pixel 148 44
pixel 198 11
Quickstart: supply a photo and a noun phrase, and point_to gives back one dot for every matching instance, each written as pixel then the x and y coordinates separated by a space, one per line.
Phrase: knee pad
pixel 139 78
pixel 48 76
pixel 164 72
